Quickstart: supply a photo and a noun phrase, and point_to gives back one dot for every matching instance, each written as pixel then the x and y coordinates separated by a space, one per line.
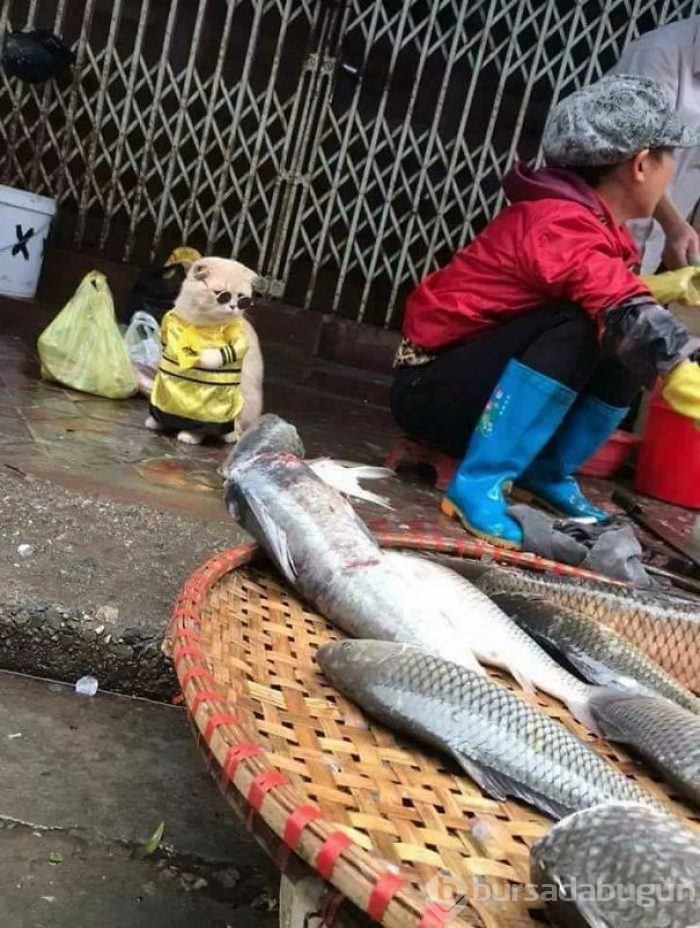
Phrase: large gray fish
pixel 619 866
pixel 327 554
pixel 507 746
pixel 666 628
pixel 596 651
pixel 666 735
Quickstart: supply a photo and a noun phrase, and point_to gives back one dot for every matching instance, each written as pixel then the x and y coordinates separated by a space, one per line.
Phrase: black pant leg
pixel 441 402
pixel 613 383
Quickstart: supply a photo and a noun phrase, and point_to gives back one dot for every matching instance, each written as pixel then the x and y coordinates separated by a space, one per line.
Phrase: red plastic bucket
pixel 609 459
pixel 668 467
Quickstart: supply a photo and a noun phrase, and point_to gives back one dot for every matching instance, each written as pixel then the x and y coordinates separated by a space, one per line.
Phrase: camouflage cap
pixel 611 121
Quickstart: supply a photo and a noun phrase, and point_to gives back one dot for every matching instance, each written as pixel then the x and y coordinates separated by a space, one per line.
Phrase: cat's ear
pixel 199 270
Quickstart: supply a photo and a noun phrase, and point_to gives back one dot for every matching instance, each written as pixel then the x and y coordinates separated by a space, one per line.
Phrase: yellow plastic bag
pixel 681 286
pixel 682 389
pixel 83 348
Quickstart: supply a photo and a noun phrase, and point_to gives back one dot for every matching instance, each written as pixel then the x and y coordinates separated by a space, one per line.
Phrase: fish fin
pixel 370 472
pixel 523 681
pixel 580 708
pixel 345 479
pixel 499 786
pixel 274 539
pixel 478 667
pixel 594 671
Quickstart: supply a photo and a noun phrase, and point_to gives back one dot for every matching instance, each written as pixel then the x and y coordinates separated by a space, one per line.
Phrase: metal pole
pixel 4 27
pixel 460 144
pixel 166 198
pixel 334 205
pixel 243 87
pixel 114 181
pixel 62 169
pixel 214 99
pixel 457 37
pixel 361 205
pixel 398 163
pixel 468 228
pixel 303 177
pixel 245 220
pixel 272 227
pixel 533 75
pixel 44 110
pixel 148 150
pixel 95 132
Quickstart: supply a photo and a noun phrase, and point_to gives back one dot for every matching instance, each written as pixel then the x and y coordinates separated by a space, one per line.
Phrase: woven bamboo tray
pixel 374 814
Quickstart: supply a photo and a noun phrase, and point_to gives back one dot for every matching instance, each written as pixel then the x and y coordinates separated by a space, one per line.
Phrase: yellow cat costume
pixel 186 396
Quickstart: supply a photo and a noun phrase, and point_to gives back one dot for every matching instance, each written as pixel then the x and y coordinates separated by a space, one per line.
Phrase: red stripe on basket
pixel 330 851
pixel 297 822
pixel 262 783
pixel 186 650
pixel 204 696
pixel 185 612
pixel 193 672
pixel 236 754
pixel 189 634
pixel 382 893
pixel 221 718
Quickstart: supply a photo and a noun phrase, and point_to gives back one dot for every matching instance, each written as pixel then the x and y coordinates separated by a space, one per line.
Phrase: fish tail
pixel 345 479
pixel 579 705
pixel 523 680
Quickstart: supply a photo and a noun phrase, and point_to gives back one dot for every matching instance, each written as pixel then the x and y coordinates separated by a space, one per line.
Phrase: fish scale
pixel 507 746
pixel 666 628
pixel 619 846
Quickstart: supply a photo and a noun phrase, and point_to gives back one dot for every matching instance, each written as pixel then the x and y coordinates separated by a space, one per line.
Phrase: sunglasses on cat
pixel 225 297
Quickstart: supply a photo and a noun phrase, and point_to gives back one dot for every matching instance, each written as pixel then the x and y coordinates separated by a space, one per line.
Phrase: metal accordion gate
pixel 343 148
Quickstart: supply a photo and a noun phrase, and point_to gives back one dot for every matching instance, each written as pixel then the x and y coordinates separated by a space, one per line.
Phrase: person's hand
pixel 682 389
pixel 682 247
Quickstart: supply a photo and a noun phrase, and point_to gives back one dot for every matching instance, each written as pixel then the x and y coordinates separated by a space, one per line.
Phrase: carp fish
pixel 505 745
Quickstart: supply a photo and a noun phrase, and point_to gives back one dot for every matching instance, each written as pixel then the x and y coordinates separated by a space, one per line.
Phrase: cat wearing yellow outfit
pixel 197 389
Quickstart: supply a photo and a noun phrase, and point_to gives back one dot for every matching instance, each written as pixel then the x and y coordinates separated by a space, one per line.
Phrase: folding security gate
pixel 343 148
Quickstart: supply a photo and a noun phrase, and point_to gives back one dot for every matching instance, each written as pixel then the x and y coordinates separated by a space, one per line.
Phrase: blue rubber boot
pixel 524 411
pixel 588 426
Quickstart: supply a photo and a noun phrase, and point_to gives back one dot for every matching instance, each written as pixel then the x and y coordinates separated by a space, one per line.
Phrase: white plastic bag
pixel 142 340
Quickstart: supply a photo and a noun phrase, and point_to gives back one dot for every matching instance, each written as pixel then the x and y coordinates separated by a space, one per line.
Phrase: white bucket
pixel 25 220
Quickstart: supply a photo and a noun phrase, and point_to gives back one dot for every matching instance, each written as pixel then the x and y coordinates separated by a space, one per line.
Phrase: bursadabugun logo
pixel 446 895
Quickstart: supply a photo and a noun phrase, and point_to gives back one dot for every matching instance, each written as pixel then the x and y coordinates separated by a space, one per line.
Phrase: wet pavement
pixel 86 781
pixel 102 446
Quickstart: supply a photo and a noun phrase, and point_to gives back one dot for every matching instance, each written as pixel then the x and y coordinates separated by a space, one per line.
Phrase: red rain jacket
pixel 557 241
